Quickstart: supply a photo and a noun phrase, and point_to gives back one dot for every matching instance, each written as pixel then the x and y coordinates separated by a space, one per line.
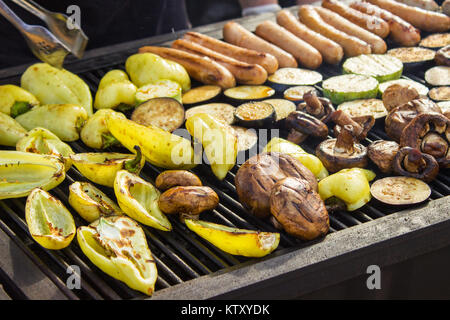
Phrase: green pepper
pixel 349 185
pixel 95 133
pixel 42 141
pixel 115 90
pixel 21 172
pixel 10 131
pixel 148 68
pixel 56 86
pixel 118 246
pixel 64 120
pixel 14 97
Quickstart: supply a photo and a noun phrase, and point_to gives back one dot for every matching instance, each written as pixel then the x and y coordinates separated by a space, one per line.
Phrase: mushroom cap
pixel 427 172
pixel 334 161
pixel 306 124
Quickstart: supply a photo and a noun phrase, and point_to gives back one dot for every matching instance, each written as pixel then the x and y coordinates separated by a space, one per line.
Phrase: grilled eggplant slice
pixel 164 113
pixel 400 190
pixel 223 112
pixel 242 94
pixel 255 114
pixel 382 67
pixel 246 138
pixel 421 89
pixel 284 78
pixel 200 95
pixel 296 93
pixel 438 76
pixel 436 41
pixel 440 93
pixel 282 108
pixel 413 57
pixel 364 107
pixel 350 87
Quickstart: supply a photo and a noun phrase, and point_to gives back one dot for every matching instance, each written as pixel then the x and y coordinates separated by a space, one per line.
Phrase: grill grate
pixel 180 255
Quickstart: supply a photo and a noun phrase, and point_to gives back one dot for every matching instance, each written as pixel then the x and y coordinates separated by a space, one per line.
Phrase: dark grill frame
pixel 191 268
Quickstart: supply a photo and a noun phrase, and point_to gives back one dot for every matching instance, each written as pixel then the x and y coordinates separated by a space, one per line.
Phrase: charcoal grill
pixel 191 268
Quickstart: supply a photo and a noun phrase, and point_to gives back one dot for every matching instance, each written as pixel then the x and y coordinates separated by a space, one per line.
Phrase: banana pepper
pixel 148 68
pixel 218 140
pixel 95 133
pixel 56 86
pixel 160 148
pixel 49 222
pixel 13 98
pixel 349 185
pixel 42 141
pixel 10 131
pixel 115 90
pixel 21 172
pixel 117 245
pixel 64 120
pixel 308 160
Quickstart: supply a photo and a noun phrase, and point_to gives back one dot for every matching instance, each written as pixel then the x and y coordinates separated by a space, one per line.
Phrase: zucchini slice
pixel 438 76
pixel 440 93
pixel 436 41
pixel 223 112
pixel 421 89
pixel 382 67
pixel 364 107
pixel 246 138
pixel 284 78
pixel 242 94
pixel 201 94
pixel 164 113
pixel 255 114
pixel 349 87
pixel 296 93
pixel 159 89
pixel 400 190
pixel 282 107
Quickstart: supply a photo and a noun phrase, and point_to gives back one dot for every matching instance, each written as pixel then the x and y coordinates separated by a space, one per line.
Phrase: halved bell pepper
pixel 21 172
pixel 102 167
pixel 64 120
pixel 42 141
pixel 308 160
pixel 218 140
pixel 115 90
pixel 95 133
pixel 49 222
pixel 139 200
pixel 147 68
pixel 117 245
pixel 349 185
pixel 51 85
pixel 10 131
pixel 90 202
pixel 161 148
pixel 15 97
pixel 248 243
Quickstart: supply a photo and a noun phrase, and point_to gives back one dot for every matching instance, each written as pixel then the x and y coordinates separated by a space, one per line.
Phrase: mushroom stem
pixel 345 143
pixel 414 161
pixel 343 119
pixel 313 105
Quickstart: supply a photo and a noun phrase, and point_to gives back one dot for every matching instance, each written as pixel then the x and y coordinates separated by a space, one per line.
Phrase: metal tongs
pixel 49 46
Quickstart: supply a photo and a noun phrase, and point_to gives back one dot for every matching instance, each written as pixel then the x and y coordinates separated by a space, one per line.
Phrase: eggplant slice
pixel 364 107
pixel 296 93
pixel 413 57
pixel 246 138
pixel 284 78
pixel 223 112
pixel 436 41
pixel 438 76
pixel 400 190
pixel 241 94
pixel 421 89
pixel 255 114
pixel 282 107
pixel 440 93
pixel 202 94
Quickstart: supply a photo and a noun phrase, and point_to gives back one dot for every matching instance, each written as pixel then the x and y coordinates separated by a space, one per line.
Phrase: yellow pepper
pixel 115 90
pixel 49 222
pixel 248 243
pixel 95 133
pixel 21 172
pixel 117 245
pixel 139 200
pixel 14 97
pixel 218 140
pixel 10 131
pixel 308 160
pixel 42 141
pixel 349 185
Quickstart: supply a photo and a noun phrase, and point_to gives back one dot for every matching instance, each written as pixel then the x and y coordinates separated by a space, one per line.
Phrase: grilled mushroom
pixel 302 125
pixel 429 133
pixel 397 95
pixel 172 178
pixel 318 107
pixel 382 153
pixel 442 56
pixel 399 117
pixel 361 125
pixel 410 162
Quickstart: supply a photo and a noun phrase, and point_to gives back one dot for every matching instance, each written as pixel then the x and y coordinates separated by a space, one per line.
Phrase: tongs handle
pixel 33 8
pixel 12 17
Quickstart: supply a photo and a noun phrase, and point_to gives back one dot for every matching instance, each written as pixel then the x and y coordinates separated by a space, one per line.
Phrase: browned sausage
pixel 331 52
pixel 243 72
pixel 425 20
pixel 304 53
pixel 265 60
pixel 373 24
pixel 401 32
pixel 236 34
pixel 202 69
pixel 376 43
pixel 352 46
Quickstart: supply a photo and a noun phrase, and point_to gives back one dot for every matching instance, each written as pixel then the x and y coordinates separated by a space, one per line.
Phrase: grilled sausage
pixel 265 60
pixel 236 34
pixel 373 24
pixel 429 5
pixel 377 44
pixel 352 46
pixel 202 69
pixel 401 32
pixel 304 53
pixel 331 52
pixel 424 20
